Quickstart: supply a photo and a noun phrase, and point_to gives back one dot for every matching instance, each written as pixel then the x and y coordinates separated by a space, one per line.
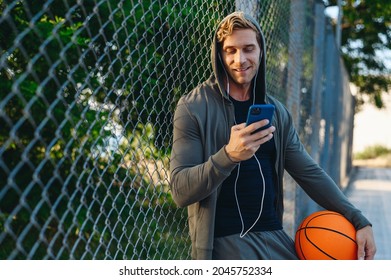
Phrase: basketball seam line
pixel 328 229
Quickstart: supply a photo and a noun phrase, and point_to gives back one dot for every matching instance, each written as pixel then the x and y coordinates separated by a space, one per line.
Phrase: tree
pixel 366 32
pixel 64 74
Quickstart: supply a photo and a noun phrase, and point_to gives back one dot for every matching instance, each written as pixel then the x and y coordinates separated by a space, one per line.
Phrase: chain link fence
pixel 88 90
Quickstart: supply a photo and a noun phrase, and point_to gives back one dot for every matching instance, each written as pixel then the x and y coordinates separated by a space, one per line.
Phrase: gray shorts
pixel 265 245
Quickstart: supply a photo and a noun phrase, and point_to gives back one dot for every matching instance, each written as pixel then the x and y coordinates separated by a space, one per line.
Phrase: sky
pixel 372 126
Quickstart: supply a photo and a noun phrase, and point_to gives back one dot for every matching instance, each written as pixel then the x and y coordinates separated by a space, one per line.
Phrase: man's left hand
pixel 366 244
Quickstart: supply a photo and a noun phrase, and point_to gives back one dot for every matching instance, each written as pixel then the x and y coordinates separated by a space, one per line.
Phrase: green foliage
pixel 373 152
pixel 366 30
pixel 70 75
pixel 70 196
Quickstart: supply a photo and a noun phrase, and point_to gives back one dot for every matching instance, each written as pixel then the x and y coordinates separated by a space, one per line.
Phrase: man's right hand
pixel 243 144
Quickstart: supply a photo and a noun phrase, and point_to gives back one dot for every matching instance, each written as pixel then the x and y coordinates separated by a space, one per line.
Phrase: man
pixel 230 178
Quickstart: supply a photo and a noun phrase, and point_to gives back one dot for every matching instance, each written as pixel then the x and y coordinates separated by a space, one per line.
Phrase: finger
pixel 263 133
pixel 254 126
pixel 366 247
pixel 256 143
pixel 238 126
pixel 265 139
pixel 361 251
pixel 370 251
pixel 360 246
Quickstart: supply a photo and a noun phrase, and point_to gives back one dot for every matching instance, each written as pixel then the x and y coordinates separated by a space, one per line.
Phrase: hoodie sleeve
pixel 317 183
pixel 194 177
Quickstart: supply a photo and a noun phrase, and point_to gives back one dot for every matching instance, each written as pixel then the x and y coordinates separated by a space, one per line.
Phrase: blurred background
pixel 87 94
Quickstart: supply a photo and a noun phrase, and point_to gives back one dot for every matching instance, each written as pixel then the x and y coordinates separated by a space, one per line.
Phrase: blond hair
pixel 235 21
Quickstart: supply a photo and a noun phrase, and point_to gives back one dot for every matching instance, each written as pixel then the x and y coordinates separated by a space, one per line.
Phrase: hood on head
pixel 219 72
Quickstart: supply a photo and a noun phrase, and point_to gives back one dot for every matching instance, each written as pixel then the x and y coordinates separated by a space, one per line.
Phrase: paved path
pixel 370 191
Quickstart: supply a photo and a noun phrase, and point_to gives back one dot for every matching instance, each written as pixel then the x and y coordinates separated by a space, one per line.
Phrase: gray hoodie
pixel 199 164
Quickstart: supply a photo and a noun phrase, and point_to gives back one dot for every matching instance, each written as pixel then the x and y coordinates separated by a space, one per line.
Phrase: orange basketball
pixel 326 235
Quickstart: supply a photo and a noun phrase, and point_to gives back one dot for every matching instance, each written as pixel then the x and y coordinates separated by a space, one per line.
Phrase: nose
pixel 240 57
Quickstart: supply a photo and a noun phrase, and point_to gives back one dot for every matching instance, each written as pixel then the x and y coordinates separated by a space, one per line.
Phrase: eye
pixel 249 49
pixel 230 51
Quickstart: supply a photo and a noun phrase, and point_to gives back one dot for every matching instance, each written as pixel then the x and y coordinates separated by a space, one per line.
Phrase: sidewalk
pixel 370 191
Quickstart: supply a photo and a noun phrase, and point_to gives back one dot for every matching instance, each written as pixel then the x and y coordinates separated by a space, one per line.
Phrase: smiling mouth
pixel 241 69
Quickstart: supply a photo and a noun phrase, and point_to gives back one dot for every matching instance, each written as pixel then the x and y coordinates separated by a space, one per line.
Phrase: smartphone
pixel 259 112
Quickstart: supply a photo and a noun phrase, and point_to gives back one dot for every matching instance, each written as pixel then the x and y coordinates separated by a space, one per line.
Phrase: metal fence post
pixel 296 47
pixel 317 79
pixel 295 68
pixel 329 98
pixel 307 205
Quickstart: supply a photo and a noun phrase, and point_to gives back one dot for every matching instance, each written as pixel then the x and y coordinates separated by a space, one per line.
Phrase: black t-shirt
pixel 249 189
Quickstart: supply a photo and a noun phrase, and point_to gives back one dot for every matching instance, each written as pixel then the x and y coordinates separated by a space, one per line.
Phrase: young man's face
pixel 240 54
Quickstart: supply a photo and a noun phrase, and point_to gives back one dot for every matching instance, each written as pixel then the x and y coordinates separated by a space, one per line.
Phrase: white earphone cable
pixel 242 233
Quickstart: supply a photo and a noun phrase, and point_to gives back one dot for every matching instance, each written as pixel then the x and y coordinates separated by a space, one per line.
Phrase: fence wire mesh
pixel 88 89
